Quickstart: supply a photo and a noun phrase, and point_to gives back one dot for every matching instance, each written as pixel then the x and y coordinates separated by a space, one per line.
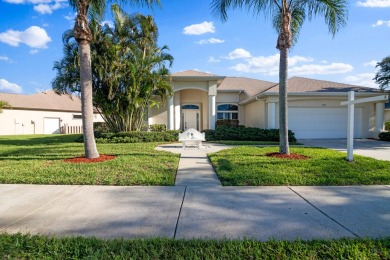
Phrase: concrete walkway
pixel 197 207
pixel 261 213
pixel 194 166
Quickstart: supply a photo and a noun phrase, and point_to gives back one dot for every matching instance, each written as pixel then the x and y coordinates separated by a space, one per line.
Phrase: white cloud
pixel 270 66
pixel 238 53
pixel 9 87
pixel 47 8
pixel 315 69
pixel 362 79
pixel 374 3
pixel 370 63
pixel 210 41
pixel 29 1
pixel 5 58
pixel 34 37
pixel 213 60
pixel 70 17
pixel 109 23
pixel 381 22
pixel 201 28
pixel 42 6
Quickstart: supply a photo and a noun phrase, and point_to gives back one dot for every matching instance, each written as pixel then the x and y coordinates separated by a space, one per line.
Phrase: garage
pixel 316 123
pixel 51 125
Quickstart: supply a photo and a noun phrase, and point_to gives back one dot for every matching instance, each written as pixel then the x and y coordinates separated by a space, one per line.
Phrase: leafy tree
pixel 4 104
pixel 129 69
pixel 382 77
pixel 288 17
pixel 83 36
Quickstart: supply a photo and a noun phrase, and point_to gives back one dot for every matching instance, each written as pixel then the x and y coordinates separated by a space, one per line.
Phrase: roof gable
pixel 192 73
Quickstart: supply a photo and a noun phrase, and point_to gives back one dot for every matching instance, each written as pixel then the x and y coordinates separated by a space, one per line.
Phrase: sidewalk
pixel 197 207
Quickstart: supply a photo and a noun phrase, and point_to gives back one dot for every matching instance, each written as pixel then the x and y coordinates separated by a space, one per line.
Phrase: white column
pixel 171 114
pixel 177 110
pixel 351 117
pixel 379 116
pixel 212 103
pixel 271 115
pixel 212 113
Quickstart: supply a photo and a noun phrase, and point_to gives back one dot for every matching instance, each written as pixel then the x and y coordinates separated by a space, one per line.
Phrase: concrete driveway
pixel 367 147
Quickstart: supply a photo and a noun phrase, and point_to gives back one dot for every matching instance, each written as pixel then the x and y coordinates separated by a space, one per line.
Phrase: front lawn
pixel 40 247
pixel 249 166
pixel 39 159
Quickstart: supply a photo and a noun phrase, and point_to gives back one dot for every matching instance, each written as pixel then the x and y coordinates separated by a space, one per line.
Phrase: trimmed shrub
pixel 387 126
pixel 384 136
pixel 242 133
pixel 158 128
pixel 227 122
pixel 135 137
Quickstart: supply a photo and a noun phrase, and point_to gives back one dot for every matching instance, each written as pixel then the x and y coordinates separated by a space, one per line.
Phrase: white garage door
pixel 51 125
pixel 312 123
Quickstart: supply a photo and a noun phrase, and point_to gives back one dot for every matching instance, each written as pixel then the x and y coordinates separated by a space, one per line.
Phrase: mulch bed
pixel 292 156
pixel 102 158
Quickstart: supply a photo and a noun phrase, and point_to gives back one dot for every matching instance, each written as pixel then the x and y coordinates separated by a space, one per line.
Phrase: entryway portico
pixel 193 104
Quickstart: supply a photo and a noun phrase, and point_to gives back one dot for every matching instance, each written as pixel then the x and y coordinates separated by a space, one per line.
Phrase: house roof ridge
pixel 330 81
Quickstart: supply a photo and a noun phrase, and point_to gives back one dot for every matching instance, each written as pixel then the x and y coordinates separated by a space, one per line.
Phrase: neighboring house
pixel 314 109
pixel 40 113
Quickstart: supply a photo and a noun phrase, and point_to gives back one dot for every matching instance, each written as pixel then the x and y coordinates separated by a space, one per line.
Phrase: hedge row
pixel 135 137
pixel 384 136
pixel 242 133
pixel 387 126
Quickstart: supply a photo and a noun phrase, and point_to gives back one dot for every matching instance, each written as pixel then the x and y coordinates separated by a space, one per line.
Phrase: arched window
pixel 190 107
pixel 227 111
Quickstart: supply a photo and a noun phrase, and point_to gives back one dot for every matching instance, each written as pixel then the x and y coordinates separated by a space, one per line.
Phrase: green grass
pixel 39 247
pixel 232 142
pixel 39 159
pixel 249 166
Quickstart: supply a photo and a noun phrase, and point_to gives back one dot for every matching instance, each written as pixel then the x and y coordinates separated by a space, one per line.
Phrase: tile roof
pixel 192 73
pixel 250 86
pixel 48 100
pixel 301 85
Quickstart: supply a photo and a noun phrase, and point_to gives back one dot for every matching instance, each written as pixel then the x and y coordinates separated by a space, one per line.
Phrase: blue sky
pixel 31 31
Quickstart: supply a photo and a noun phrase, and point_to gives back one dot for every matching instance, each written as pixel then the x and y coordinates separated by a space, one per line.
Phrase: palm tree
pixel 83 36
pixel 129 69
pixel 288 17
pixel 4 104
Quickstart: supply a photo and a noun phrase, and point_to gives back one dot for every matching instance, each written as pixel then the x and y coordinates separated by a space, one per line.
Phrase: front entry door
pixel 191 119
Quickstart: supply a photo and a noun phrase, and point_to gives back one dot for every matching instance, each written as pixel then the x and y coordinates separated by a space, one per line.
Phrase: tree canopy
pixel 382 77
pixel 129 69
pixel 4 104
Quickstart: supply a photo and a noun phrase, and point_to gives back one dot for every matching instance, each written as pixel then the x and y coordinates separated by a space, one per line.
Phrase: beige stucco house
pixel 41 113
pixel 314 109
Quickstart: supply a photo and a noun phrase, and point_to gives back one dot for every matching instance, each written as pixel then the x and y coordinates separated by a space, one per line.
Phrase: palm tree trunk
pixel 283 118
pixel 83 36
pixel 86 99
pixel 283 45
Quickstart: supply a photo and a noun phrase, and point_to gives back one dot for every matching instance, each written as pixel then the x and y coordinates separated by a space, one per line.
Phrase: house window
pixel 227 111
pixel 77 117
pixel 190 107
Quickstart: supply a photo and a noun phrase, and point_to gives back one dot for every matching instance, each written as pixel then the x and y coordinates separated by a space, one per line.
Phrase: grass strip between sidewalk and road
pixel 39 159
pixel 38 247
pixel 249 166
